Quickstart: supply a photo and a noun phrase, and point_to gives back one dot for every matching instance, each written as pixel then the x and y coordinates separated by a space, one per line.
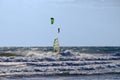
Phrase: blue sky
pixel 82 22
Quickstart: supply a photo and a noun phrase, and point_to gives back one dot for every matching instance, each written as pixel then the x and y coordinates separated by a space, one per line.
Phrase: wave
pixel 50 63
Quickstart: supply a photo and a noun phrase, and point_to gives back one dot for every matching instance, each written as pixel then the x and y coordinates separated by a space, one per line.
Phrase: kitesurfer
pixel 58 30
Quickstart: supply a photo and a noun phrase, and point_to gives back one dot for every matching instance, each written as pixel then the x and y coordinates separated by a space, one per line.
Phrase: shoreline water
pixel 67 77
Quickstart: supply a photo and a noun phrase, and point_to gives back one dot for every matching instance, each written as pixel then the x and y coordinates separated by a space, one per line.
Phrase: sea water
pixel 73 63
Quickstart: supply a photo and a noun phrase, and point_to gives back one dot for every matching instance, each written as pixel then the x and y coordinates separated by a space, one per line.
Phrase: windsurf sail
pixel 56 47
pixel 52 20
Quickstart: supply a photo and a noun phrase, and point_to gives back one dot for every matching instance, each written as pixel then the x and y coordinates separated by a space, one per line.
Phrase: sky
pixel 82 22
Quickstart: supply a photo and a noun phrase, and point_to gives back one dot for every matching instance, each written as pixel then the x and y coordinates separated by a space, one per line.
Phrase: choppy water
pixel 41 61
pixel 77 77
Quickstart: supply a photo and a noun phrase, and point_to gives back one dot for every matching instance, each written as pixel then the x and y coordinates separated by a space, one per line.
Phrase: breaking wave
pixel 33 62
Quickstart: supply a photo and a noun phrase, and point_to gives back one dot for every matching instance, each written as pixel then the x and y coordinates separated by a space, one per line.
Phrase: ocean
pixel 72 63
